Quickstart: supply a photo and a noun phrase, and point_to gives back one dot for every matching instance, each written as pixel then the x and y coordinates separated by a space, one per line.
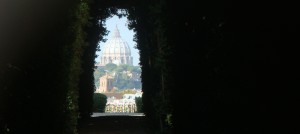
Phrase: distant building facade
pixel 106 84
pixel 126 104
pixel 116 51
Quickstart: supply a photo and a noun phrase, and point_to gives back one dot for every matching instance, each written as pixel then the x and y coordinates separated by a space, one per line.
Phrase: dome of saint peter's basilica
pixel 116 51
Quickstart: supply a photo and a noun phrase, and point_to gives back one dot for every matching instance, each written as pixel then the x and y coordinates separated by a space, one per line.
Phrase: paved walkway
pixel 117 114
pixel 112 123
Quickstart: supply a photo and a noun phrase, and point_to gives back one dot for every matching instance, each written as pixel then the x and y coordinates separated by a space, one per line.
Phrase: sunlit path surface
pixel 117 114
pixel 116 123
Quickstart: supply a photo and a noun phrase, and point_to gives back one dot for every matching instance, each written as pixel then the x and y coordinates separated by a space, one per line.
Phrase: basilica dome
pixel 116 51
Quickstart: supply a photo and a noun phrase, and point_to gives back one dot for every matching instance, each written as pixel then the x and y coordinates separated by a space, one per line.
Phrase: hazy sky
pixel 126 35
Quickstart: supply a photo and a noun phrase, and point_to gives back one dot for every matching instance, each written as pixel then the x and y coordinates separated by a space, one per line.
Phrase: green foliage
pixel 156 58
pixel 169 120
pixel 139 104
pixel 41 87
pixel 110 67
pixel 73 54
pixel 99 72
pixel 127 91
pixel 121 80
pixel 100 101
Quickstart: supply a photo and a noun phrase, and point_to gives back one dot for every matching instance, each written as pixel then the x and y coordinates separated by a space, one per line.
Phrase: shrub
pixel 139 104
pixel 99 102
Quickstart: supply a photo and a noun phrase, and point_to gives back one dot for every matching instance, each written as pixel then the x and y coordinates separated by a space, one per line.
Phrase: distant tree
pixel 121 79
pixel 139 104
pixel 136 69
pixel 110 67
pixel 99 71
pixel 128 91
pixel 100 101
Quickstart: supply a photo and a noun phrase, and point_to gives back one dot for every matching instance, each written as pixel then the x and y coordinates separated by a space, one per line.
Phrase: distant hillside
pixel 125 76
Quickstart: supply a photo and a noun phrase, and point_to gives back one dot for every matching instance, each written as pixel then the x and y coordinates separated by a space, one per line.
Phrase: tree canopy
pixel 124 76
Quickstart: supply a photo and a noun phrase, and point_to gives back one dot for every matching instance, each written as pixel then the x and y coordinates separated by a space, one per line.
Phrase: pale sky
pixel 126 35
